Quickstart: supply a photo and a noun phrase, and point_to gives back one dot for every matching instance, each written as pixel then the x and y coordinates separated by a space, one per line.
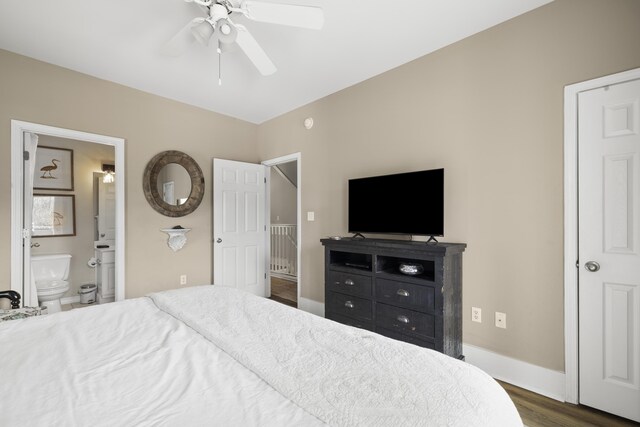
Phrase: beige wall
pixel 37 92
pixel 87 159
pixel 488 109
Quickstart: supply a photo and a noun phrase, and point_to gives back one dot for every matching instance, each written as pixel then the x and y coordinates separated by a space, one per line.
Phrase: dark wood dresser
pixel 364 287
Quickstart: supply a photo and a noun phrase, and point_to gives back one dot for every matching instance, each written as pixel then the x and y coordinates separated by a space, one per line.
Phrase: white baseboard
pixel 70 300
pixel 539 380
pixel 311 306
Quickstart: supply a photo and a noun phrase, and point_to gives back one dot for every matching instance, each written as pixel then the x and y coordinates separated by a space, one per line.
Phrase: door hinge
pixel 26 233
pixel 577 263
pixel 265 275
pixel 25 155
pixel 265 179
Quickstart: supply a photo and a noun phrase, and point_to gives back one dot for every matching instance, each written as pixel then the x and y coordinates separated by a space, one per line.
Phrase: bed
pixel 212 355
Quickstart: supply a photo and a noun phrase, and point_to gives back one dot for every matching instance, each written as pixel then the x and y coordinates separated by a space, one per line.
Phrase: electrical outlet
pixel 501 320
pixel 183 279
pixel 476 314
pixel 311 216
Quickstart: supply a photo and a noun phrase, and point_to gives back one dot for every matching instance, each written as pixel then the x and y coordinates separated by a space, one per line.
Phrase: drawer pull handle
pixel 402 293
pixel 349 304
pixel 349 282
pixel 403 319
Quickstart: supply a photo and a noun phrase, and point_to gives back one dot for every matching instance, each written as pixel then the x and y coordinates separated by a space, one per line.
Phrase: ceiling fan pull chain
pixel 219 64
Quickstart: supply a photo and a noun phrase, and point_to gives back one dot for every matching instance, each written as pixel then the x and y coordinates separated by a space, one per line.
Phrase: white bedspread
pixel 128 364
pixel 342 375
pixel 215 356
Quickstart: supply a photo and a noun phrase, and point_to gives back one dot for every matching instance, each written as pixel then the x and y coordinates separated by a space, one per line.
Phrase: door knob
pixel 219 240
pixel 592 266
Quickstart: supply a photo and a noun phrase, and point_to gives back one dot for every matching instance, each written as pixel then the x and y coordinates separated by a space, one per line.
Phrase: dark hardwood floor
pixel 284 291
pixel 540 411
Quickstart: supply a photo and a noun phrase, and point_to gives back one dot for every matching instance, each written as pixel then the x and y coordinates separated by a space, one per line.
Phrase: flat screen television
pixel 404 203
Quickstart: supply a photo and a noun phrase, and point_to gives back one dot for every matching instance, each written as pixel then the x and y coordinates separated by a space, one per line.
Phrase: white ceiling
pixel 119 41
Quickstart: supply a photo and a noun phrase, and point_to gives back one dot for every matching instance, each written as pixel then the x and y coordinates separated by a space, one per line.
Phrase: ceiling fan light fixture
pixel 203 32
pixel 227 33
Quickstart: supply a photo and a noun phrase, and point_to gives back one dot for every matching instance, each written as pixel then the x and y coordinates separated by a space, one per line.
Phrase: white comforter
pixel 215 356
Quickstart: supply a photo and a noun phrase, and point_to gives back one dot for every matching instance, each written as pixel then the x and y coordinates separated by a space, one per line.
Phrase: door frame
pixel 571 256
pixel 273 162
pixel 18 128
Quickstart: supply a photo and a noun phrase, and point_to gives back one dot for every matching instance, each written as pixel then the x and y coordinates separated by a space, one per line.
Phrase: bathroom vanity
pixel 105 274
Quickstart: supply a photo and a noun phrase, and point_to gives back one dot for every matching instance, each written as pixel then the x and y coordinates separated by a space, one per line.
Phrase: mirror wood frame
pixel 150 183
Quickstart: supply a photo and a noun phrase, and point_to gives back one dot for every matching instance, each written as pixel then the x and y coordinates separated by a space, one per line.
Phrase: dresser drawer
pixel 407 295
pixel 406 338
pixel 405 321
pixel 348 283
pixel 348 305
pixel 362 324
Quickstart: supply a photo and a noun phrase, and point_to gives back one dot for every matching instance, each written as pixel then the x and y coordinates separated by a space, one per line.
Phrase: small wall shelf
pixel 177 237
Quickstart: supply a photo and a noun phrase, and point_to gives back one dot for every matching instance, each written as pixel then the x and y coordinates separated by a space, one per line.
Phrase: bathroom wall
pixel 87 159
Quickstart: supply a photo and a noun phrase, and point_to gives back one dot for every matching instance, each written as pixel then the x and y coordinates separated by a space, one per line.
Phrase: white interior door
pixel 609 248
pixel 106 211
pixel 239 230
pixel 30 144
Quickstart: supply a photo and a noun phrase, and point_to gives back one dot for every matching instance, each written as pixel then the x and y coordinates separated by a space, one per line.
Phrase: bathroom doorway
pixel 69 201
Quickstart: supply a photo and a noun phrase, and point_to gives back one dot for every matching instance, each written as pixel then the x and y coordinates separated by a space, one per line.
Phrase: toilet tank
pixel 50 267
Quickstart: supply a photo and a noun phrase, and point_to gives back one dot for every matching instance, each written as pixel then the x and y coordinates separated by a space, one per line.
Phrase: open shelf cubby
pixel 351 260
pixel 391 265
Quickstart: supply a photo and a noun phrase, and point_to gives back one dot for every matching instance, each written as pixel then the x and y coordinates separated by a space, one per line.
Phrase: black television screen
pixel 404 203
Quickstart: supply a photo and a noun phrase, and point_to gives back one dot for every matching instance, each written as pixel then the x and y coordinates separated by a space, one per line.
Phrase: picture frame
pixel 54 215
pixel 53 169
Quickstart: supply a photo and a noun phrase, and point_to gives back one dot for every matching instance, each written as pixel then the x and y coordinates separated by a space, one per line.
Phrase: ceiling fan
pixel 219 23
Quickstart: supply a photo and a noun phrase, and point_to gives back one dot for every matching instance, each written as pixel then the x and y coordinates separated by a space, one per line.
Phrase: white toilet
pixel 50 274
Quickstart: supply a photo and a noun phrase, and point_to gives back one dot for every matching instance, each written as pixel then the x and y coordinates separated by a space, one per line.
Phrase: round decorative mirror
pixel 173 183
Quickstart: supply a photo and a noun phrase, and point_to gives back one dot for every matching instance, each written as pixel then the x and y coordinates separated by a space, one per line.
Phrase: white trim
pixel 311 306
pixel 571 222
pixel 69 300
pixel 272 162
pixel 539 380
pixel 18 128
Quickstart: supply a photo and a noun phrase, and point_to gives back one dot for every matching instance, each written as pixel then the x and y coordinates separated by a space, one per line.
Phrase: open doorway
pixel 284 229
pixel 67 217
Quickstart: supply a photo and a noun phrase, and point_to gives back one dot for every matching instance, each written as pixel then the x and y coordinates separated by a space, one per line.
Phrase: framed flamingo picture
pixel 53 215
pixel 53 169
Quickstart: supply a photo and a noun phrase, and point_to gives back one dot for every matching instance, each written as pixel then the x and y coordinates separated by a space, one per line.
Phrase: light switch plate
pixel 311 216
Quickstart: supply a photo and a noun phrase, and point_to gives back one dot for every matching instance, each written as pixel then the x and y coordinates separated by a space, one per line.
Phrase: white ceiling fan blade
pixel 284 14
pixel 181 41
pixel 252 49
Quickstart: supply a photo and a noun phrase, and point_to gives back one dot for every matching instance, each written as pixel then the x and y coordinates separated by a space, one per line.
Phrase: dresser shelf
pixel 365 288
